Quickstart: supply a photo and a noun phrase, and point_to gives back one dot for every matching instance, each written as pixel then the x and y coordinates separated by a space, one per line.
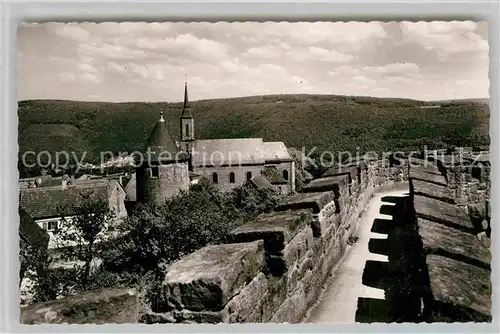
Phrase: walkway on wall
pixel 369 284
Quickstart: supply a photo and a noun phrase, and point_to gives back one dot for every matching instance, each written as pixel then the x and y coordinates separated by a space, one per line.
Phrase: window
pixel 215 178
pixel 249 176
pixel 285 174
pixel 231 177
pixel 155 172
pixel 45 226
pixel 187 130
pixel 51 226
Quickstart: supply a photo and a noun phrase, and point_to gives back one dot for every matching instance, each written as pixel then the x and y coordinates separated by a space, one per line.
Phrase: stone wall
pixel 275 267
pixel 455 255
pixel 108 306
pixel 467 174
pixel 240 174
pixel 170 180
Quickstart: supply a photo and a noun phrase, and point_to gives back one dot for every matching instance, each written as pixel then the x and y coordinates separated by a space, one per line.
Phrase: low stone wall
pixel 455 260
pixel 275 267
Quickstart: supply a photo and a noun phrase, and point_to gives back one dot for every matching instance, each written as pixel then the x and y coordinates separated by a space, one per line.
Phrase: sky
pixel 134 61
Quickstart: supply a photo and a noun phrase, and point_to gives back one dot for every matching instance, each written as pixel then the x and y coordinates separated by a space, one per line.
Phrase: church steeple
pixel 186 111
pixel 187 122
pixel 186 101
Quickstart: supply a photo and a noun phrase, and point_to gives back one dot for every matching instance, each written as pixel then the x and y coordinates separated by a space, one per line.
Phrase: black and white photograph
pixel 254 172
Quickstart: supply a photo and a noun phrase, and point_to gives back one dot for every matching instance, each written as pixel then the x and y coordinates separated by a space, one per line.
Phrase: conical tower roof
pixel 160 142
pixel 186 111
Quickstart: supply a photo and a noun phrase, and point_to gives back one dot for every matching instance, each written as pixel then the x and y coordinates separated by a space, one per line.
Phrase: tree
pixel 78 236
pixel 158 235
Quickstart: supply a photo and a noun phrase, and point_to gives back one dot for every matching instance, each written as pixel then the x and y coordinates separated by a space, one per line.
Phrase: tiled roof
pixel 243 151
pixel 48 202
pixel 261 182
pixel 31 232
pixel 130 189
pixel 162 143
pixel 276 151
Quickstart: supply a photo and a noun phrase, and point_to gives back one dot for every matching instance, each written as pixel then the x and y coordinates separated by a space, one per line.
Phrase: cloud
pixel 184 45
pixel 395 68
pixel 117 68
pixel 138 61
pixel 67 77
pixel 315 53
pixel 363 80
pixel 87 68
pixel 268 51
pixel 447 39
pixel 344 70
pixel 105 50
pixel 90 77
pixel 72 31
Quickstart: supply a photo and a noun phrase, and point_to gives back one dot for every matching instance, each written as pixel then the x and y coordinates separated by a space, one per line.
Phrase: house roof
pixel 234 152
pixel 31 232
pixel 261 182
pixel 130 189
pixel 276 151
pixel 50 202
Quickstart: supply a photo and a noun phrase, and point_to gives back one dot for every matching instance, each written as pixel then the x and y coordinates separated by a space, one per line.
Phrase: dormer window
pixel 50 226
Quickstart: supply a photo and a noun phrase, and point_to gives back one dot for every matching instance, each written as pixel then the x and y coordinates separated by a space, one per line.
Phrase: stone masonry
pixel 275 267
pixel 454 233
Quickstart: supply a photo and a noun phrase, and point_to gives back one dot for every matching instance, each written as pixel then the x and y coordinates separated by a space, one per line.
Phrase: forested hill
pixel 329 122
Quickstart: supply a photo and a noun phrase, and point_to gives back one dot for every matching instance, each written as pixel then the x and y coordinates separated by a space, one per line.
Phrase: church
pixel 228 163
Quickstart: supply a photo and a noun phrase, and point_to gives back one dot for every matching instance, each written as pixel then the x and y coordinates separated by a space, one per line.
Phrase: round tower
pixel 163 169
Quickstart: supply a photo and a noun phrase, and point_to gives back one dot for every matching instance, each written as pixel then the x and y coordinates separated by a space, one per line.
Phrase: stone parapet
pixel 456 258
pixel 273 268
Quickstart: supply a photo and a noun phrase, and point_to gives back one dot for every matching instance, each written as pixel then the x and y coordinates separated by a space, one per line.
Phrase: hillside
pixel 335 123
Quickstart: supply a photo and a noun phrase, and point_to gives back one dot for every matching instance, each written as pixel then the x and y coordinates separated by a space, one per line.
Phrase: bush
pixel 160 235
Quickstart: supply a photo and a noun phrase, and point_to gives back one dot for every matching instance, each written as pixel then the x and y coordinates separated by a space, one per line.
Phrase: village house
pixel 47 205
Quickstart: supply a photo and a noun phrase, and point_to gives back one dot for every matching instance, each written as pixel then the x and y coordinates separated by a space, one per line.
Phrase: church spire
pixel 186 101
pixel 186 112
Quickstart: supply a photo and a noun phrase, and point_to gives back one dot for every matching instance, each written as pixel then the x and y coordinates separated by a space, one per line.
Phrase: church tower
pixel 187 124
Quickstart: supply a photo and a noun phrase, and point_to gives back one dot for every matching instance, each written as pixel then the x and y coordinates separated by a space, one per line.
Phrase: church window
pixel 231 177
pixel 285 174
pixel 187 130
pixel 215 178
pixel 249 176
pixel 155 172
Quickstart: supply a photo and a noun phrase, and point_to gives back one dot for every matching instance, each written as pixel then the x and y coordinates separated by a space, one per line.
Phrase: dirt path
pixel 346 292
